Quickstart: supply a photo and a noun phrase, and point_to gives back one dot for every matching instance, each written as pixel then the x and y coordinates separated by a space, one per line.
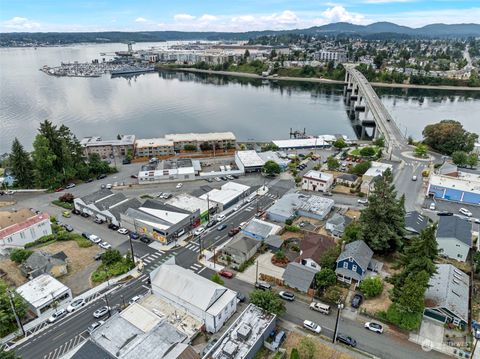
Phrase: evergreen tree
pixel 21 165
pixel 412 298
pixel 46 175
pixel 383 221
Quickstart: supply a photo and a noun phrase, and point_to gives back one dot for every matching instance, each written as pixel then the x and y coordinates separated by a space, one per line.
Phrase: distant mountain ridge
pixel 382 30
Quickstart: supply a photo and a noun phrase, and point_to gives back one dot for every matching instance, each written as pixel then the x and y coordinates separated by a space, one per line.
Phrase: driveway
pixel 430 335
pixel 265 266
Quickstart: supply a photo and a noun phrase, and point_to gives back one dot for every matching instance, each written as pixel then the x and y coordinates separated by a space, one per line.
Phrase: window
pixel 350 259
pixel 459 256
pixel 22 235
pixel 354 268
pixel 345 265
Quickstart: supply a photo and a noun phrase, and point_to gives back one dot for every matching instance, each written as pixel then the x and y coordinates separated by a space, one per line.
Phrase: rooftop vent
pixel 244 332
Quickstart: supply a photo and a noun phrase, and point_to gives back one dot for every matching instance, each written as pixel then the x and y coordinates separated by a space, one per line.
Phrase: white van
pixel 181 233
pixel 320 307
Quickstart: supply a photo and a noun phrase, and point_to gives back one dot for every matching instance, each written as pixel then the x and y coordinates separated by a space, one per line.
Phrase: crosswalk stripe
pixel 154 255
pixel 146 260
pixel 195 265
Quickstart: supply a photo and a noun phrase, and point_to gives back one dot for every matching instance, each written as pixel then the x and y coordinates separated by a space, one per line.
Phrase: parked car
pixel 230 177
pixel 134 299
pixel 102 311
pixel 70 185
pixel 327 194
pixel 105 245
pixel 98 256
pixel 233 231
pixel 108 186
pixel 241 298
pixel 212 223
pixel 241 225
pixel 75 304
pixel 223 178
pixel 166 195
pixel 98 220
pixel 66 214
pixel 432 206
pixel 145 239
pixel 465 212
pixel 68 227
pixel 320 307
pixel 179 185
pixel 94 326
pixel 94 238
pixel 76 211
pixel 221 227
pixel 89 180
pixel 220 217
pixel 307 324
pixel 9 192
pixel 374 327
pixel 134 235
pixel 263 286
pixel 357 300
pixel 122 231
pixel 102 176
pixel 414 178
pixel 57 315
pixel 113 227
pixel 199 231
pixel 444 213
pixel 134 176
pixel 86 235
pixel 85 215
pixel 218 179
pixel 236 176
pixel 126 161
pixel 363 201
pixel 59 189
pixel 103 186
pixel 287 295
pixel 226 273
pixel 345 339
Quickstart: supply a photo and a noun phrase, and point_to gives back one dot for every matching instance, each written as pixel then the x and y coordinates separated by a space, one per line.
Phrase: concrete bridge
pixel 367 111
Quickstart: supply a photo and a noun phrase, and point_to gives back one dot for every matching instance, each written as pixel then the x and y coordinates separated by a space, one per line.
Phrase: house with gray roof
pixel 293 204
pixel 260 230
pixel 299 276
pixel 240 250
pixel 454 237
pixel 353 262
pixel 347 179
pixel 415 222
pixel 447 296
pixel 337 223
pixel 43 262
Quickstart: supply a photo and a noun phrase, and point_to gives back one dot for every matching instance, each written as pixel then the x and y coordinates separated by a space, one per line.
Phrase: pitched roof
pixel 348 177
pixel 110 201
pixel 20 226
pixel 122 207
pixel 91 350
pixel 242 244
pixel 299 276
pixel 359 251
pixel 449 288
pixel 41 262
pixel 95 196
pixel 261 228
pixel 456 227
pixel 314 245
pixel 415 222
pixel 274 240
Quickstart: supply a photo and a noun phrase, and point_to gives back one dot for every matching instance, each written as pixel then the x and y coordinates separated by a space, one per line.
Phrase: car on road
pixel 465 212
pixel 166 195
pixel 9 192
pixel 221 227
pixel 236 208
pixel 113 227
pixel 444 213
pixel 134 176
pixel 108 186
pixel 212 223
pixel 374 327
pixel 98 256
pixel 101 176
pixel 122 231
pixel 76 211
pixel 199 231
pixel 241 225
pixel 98 220
pixel 357 300
pixel 414 178
pixel 263 286
pixel 233 231
pixel 75 304
pixel 223 178
pixel 86 235
pixel 134 299
pixel 241 297
pixel 218 179
pixel 345 339
pixel 307 324
pixel 94 326
pixel 68 227
pixel 179 185
pixel 327 194
pixel 105 245
pixel 85 215
pixel 220 217
pixel 208 180
pixel 94 238
pixel 230 177
pixel 70 185
pixel 320 307
pixel 59 189
pixel 102 311
pixel 89 180
pixel 145 239
pixel 363 201
pixel 57 315
pixel 432 206
pixel 226 273
pixel 66 214
pixel 287 295
pixel 134 235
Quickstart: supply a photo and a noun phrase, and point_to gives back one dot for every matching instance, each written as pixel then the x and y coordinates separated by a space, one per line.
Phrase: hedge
pixel 64 205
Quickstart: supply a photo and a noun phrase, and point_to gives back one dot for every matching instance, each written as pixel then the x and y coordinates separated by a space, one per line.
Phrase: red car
pixel 233 231
pixel 225 273
pixel 59 189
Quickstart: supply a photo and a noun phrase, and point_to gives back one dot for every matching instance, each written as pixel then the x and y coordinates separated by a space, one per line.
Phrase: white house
pixel 368 179
pixel 454 237
pixel 317 181
pixel 23 226
pixel 201 298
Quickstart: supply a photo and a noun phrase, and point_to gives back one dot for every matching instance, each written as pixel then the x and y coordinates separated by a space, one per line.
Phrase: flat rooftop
pixel 40 290
pixel 317 175
pixel 98 141
pixel 461 184
pixel 153 142
pixel 192 137
pixel 188 203
pixel 377 169
pixel 302 142
pixel 250 158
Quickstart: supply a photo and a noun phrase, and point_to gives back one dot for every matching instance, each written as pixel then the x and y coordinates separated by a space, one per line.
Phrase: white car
pixel 220 217
pixel 363 201
pixel 105 245
pixel 374 327
pixel 58 314
pixel 75 304
pixel 101 312
pixel 95 325
pixel 9 192
pixel 134 299
pixel 108 186
pixel 465 212
pixel 218 179
pixel 199 231
pixel 230 177
pixel 243 224
pixel 432 206
pixel 180 185
pixel 94 238
pixel 307 324
pixel 122 231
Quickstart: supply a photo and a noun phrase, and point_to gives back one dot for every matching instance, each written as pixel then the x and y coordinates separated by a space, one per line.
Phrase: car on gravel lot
pixel 94 238
pixel 345 339
pixel 75 304
pixel 57 315
pixel 226 273
pixel 123 231
pixel 105 245
pixel 374 327
pixel 85 215
pixel 94 326
pixel 307 324
pixel 102 311
pixel 287 295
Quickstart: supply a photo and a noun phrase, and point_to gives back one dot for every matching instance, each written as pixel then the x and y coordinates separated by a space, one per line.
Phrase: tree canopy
pixel 448 136
pixel 21 165
pixel 268 300
pixel 324 279
pixel 271 168
pixel 8 323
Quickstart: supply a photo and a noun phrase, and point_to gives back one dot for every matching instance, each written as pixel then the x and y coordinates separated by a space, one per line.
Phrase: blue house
pixel 353 262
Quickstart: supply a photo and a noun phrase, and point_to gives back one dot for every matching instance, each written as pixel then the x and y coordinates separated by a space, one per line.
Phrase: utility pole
pixel 256 273
pixel 208 208
pixel 131 249
pixel 108 305
pixel 11 298
pixel 340 307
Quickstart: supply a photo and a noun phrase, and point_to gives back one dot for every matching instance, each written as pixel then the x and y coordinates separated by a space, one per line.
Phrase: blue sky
pixel 224 15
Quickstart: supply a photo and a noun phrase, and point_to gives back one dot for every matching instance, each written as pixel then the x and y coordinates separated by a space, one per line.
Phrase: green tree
pixel 472 160
pixel 340 143
pixel 460 158
pixel 111 256
pixel 294 354
pixel 217 279
pixel 329 257
pixel 332 163
pixel 421 150
pixel 18 255
pixel 379 142
pixel 383 221
pixel 371 287
pixel 367 151
pixel 333 294
pixel 271 168
pixel 307 348
pixel 352 232
pixel 360 168
pixel 476 262
pixel 412 298
pixel 8 323
pixel 268 300
pixel 324 279
pixel 21 165
pixel 9 355
pixel 449 136
pixel 46 175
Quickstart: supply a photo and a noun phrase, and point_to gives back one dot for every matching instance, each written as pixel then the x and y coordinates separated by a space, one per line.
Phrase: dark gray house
pixel 454 237
pixel 299 277
pixel 353 262
pixel 415 222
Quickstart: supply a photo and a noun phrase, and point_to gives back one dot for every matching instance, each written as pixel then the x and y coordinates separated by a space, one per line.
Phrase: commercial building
pixel 260 230
pixel 192 204
pixel 249 161
pixel 240 249
pixel 106 205
pixel 245 337
pixel 199 297
pixel 454 237
pixel 374 172
pixel 273 156
pixel 154 147
pixel 178 169
pixel 159 221
pixel 18 228
pixel 305 143
pixel 447 296
pixel 317 181
pixel 107 148
pixel 225 197
pixel 42 292
pixel 464 189
pixel 201 141
pixel 293 204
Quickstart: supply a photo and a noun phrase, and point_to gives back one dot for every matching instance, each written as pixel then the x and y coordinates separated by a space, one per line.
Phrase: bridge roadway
pixel 395 140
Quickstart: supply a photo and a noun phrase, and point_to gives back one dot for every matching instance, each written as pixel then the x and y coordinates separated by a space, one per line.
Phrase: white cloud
pixel 207 18
pixel 287 17
pixel 20 23
pixel 183 17
pixel 340 14
pixel 141 20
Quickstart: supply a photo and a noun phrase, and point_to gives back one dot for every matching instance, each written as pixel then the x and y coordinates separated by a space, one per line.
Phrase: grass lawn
pixel 356 152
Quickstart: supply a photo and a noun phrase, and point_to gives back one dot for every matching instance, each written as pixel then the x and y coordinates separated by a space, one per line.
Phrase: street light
pixel 335 332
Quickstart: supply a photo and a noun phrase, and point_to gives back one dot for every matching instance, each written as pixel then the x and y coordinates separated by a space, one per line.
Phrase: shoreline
pixel 319 80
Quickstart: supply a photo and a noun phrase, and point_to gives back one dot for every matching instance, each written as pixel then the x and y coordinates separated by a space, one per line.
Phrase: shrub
pixel 65 205
pixel 292 228
pixel 294 354
pixel 367 151
pixel 190 148
pixel 245 265
pixel 289 222
pixel 405 320
pixel 67 198
pixel 19 255
pixel 217 279
pixel 371 287
pixel 332 294
pixel 41 240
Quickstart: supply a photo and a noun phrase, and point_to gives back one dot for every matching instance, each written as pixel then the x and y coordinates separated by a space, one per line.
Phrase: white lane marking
pixel 201 270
